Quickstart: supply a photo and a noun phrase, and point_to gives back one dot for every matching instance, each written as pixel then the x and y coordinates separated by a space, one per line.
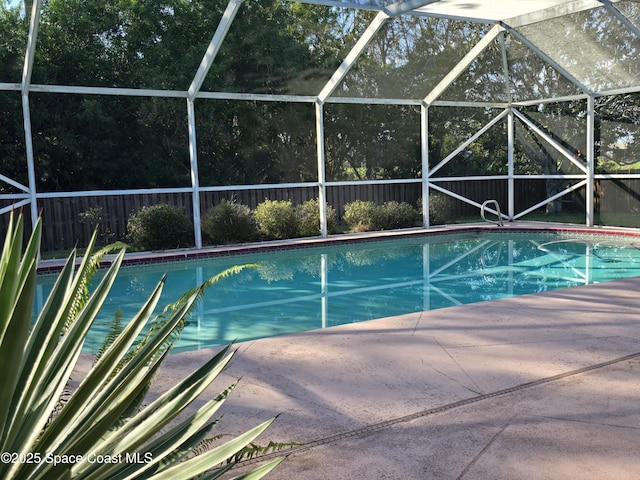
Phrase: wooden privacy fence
pixel 618 195
pixel 62 228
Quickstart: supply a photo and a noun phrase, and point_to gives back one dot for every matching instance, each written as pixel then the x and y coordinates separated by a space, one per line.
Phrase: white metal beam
pixel 502 176
pixel 468 142
pixel 565 8
pixel 34 23
pixel 398 8
pixel 511 207
pixel 26 112
pixel 265 97
pixel 402 7
pixel 567 98
pixel 447 103
pixel 424 155
pixel 214 47
pixel 460 18
pixel 459 197
pixel 108 193
pixel 18 185
pixel 13 206
pixel 505 67
pixel 550 199
pixel 456 71
pixel 10 86
pixel 618 91
pixel 353 56
pixel 551 62
pixel 322 187
pixel 517 12
pixel 261 186
pixel 195 181
pixel 374 182
pixel 31 168
pixel 589 197
pixel 554 143
pixel 127 92
pixel 611 176
pixel 624 20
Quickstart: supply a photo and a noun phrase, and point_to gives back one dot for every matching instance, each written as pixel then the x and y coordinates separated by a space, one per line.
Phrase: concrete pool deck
pixel 543 386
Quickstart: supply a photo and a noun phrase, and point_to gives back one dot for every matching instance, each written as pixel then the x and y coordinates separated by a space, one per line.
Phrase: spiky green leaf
pixel 99 415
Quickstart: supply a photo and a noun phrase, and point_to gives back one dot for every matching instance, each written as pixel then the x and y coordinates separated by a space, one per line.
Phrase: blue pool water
pixel 310 288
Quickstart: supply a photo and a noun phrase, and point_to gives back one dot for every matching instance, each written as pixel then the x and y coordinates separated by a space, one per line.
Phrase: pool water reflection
pixel 303 289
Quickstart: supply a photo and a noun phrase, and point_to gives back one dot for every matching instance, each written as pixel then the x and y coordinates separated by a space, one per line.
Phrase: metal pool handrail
pixel 497 212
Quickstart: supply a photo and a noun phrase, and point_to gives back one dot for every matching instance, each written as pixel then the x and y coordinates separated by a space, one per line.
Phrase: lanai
pixel 576 51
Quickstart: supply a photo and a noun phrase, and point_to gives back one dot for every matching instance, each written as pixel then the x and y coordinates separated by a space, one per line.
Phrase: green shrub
pixel 277 219
pixel 44 420
pixel 309 218
pixel 360 215
pixel 441 208
pixel 160 227
pixel 364 216
pixel 229 222
pixel 393 215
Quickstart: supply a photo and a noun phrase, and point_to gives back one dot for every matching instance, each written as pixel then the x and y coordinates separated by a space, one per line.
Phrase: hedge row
pixel 164 226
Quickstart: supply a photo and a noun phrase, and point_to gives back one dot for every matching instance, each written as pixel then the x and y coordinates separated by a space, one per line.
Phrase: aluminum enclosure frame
pixel 512 14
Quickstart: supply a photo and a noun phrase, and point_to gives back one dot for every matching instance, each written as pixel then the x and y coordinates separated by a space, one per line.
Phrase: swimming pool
pixel 303 289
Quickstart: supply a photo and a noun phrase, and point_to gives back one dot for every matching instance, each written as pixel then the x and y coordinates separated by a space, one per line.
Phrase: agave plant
pixel 98 432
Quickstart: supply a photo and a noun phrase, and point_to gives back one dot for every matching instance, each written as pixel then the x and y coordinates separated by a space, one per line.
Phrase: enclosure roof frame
pixel 502 18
